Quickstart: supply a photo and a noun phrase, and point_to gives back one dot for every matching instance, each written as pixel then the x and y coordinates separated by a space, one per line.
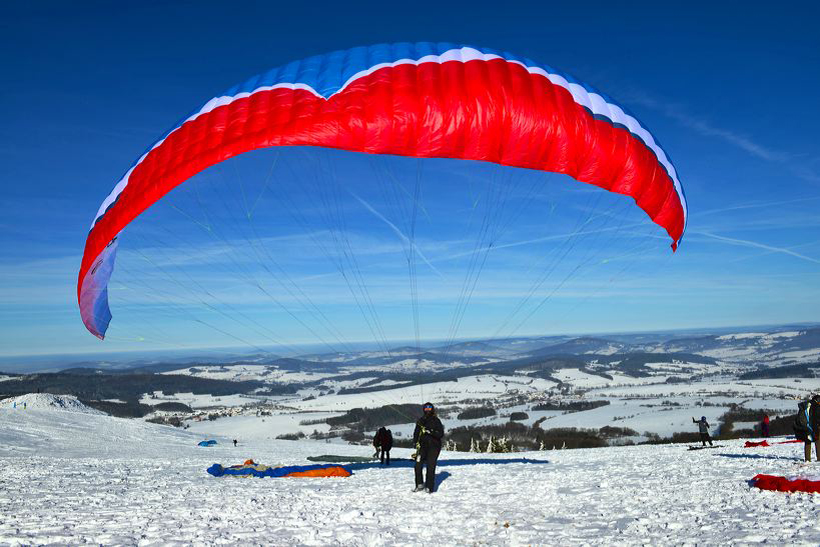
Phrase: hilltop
pixel 92 478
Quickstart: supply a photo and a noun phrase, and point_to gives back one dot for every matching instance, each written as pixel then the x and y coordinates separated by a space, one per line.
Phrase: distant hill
pixel 471 347
pixel 441 358
pixel 129 387
pixel 802 370
pixel 581 346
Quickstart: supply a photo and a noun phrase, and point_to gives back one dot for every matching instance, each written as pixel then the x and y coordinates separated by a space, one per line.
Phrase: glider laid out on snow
pixel 750 444
pixel 423 100
pixel 796 483
pixel 258 470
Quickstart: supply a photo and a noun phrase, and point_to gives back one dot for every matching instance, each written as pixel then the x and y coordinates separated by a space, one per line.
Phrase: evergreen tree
pixel 501 445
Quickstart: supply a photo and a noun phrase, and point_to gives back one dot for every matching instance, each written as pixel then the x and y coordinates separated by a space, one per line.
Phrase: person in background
pixel 427 436
pixel 764 425
pixel 383 442
pixel 703 427
pixel 234 442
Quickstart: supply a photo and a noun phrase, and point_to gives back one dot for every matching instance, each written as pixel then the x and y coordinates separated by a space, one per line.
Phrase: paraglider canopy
pixel 425 100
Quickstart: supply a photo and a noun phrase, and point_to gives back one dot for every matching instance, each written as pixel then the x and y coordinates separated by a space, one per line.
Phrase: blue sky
pixel 729 91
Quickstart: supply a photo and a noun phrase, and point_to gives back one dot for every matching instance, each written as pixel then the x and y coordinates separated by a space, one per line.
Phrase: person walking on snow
pixel 427 437
pixel 383 442
pixel 703 427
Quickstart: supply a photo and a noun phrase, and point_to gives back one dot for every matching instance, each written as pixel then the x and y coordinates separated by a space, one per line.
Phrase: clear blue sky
pixel 729 91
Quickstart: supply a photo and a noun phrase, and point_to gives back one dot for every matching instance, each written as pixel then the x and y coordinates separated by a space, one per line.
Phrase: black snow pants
pixel 384 454
pixel 427 454
pixel 704 437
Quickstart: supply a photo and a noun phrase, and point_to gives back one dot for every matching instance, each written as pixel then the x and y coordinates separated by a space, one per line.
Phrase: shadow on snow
pixel 757 457
pixel 403 462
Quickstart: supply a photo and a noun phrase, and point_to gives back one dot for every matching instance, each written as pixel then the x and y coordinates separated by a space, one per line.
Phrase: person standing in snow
pixel 427 436
pixel 814 423
pixel 383 442
pixel 703 427
pixel 234 443
pixel 764 425
pixel 803 428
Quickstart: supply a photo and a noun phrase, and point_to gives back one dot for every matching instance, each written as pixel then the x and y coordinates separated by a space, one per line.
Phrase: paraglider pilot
pixel 703 427
pixel 806 425
pixel 814 417
pixel 383 442
pixel 802 428
pixel 764 425
pixel 427 437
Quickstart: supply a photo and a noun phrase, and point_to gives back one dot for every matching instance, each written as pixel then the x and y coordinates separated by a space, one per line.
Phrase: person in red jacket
pixel 764 425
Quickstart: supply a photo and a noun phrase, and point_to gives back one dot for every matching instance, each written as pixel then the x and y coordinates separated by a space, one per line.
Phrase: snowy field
pixel 71 477
pixel 261 427
pixel 472 387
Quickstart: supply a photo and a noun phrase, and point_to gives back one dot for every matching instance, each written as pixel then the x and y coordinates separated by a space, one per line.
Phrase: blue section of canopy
pixel 327 73
pixel 206 443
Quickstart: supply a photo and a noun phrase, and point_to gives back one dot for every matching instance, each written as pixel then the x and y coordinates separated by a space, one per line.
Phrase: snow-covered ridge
pixel 47 401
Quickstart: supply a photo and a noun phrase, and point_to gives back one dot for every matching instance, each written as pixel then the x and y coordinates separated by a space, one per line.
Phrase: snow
pixel 267 427
pixel 742 336
pixel 579 378
pixel 238 373
pixel 47 401
pixel 96 479
pixel 201 400
pixel 802 354
pixel 730 353
pixel 609 350
pixel 766 338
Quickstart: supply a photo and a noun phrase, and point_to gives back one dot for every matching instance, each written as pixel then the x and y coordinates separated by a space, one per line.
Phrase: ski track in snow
pixel 70 478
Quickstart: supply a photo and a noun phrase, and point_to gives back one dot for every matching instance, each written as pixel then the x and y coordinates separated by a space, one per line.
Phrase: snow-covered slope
pixel 47 401
pixel 71 477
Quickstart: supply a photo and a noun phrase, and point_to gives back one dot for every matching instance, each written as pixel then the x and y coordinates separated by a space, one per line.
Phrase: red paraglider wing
pixel 420 100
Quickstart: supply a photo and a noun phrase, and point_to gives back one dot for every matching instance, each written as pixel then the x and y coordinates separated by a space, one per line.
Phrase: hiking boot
pixel 419 488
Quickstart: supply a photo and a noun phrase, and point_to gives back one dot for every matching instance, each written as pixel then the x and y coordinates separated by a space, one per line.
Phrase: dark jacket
pixel 802 422
pixel 703 425
pixel 383 439
pixel 814 416
pixel 433 431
